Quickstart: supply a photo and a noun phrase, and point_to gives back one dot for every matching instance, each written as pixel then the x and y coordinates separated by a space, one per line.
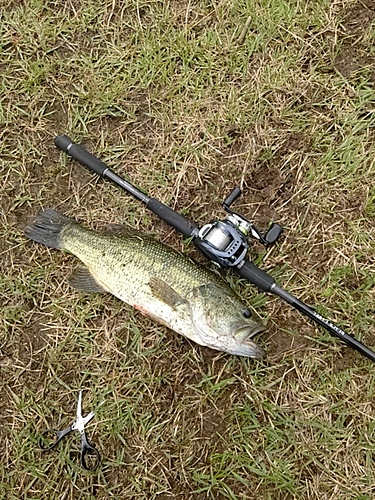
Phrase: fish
pixel 155 279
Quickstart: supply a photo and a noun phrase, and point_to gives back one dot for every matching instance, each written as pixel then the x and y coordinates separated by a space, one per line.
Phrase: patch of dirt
pixel 348 358
pixel 279 342
pixel 12 4
pixel 353 56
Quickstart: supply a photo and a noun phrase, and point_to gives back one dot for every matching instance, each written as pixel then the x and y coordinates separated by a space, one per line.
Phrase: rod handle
pixel 80 154
pixel 171 217
pixel 256 276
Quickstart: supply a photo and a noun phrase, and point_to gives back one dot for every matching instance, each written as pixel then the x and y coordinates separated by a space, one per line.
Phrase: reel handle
pixel 233 196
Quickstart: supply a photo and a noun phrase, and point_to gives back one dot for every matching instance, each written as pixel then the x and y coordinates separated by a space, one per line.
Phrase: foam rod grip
pixel 80 154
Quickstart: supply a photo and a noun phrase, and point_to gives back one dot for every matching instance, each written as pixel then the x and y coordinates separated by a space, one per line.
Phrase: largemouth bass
pixel 155 279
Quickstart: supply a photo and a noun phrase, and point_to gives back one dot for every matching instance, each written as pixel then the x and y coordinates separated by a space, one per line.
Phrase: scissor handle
pixel 90 457
pixel 51 443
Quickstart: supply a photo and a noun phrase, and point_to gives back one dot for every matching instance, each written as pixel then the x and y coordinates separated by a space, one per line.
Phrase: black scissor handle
pixel 47 442
pixel 90 457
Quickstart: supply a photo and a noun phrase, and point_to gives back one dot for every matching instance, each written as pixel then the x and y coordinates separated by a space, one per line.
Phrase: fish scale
pixel 142 252
pixel 155 279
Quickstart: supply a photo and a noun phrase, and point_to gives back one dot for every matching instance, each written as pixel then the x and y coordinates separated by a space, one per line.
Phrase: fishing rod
pixel 222 241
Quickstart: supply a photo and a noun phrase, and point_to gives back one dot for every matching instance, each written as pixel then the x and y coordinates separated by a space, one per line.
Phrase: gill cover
pixel 219 321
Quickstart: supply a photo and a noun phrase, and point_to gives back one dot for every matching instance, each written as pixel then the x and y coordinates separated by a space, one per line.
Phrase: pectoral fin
pixel 164 292
pixel 83 280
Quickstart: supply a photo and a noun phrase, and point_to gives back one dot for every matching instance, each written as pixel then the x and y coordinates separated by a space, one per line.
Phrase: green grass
pixel 170 96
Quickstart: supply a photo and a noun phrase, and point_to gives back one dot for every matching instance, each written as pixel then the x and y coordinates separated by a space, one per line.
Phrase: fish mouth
pixel 247 332
pixel 245 345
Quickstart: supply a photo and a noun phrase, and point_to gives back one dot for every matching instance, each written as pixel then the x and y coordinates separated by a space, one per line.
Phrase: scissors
pixel 90 457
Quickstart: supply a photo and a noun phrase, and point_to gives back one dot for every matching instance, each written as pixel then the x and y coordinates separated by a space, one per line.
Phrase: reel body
pixel 226 242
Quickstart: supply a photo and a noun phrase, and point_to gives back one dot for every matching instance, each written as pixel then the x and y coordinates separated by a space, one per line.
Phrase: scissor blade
pixel 88 418
pixel 79 405
pixel 79 424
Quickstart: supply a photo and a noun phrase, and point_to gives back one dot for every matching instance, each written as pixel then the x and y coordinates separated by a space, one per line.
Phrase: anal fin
pixel 82 280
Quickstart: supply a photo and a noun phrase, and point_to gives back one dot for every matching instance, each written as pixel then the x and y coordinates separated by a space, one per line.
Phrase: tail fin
pixel 47 227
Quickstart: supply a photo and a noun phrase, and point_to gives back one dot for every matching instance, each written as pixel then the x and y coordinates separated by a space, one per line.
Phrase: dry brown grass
pixel 164 93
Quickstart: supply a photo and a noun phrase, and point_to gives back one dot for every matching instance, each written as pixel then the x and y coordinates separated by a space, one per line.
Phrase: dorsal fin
pixel 122 229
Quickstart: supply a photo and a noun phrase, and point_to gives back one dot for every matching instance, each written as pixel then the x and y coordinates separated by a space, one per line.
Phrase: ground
pixel 188 100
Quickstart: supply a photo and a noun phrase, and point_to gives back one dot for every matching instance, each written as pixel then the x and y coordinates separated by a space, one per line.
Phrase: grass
pixel 175 98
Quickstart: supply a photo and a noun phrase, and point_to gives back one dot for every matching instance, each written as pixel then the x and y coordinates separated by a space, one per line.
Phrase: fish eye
pixel 247 313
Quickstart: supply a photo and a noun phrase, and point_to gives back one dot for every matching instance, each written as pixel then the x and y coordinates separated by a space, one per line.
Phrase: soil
pixel 266 189
pixel 266 185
